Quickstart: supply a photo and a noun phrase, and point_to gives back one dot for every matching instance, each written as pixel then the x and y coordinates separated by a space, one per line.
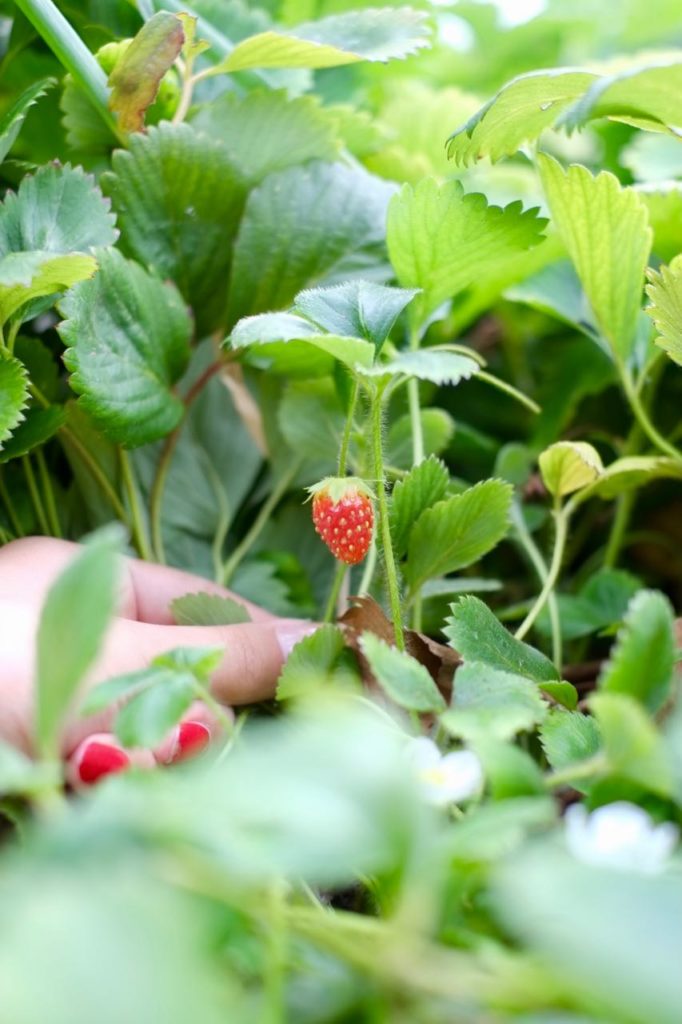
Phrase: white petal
pixel 423 753
pixel 463 773
pixel 619 835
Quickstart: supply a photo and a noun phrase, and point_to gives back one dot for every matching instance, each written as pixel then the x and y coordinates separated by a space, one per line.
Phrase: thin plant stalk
pixel 537 561
pixel 139 528
pixel 333 599
pixel 11 511
pixel 561 521
pixel 384 525
pixel 36 499
pixel 48 491
pixel 342 468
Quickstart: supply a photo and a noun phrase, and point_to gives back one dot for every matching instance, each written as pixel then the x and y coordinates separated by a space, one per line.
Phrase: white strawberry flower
pixel 445 778
pixel 619 835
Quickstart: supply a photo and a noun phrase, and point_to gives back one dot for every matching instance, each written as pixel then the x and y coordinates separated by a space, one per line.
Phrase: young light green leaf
pixel 458 531
pixel 25 276
pixel 606 230
pixel 204 609
pixel 38 426
pixel 118 688
pixel 401 677
pixel 267 131
pixel 311 663
pixel 510 771
pixel 374 35
pixel 149 716
pixel 73 621
pixel 13 118
pixel 137 74
pixel 477 635
pixel 569 466
pixel 438 428
pixel 437 366
pixel 14 395
pixel 128 336
pixel 632 471
pixel 179 199
pixel 665 291
pixel 329 225
pixel 644 96
pixel 642 659
pixel 634 747
pixel 57 210
pixel 361 309
pixel 200 662
pixel 568 737
pixel 290 344
pixel 423 486
pixel 519 113
pixel 561 692
pixel 490 702
pixel 21 776
pixel 441 240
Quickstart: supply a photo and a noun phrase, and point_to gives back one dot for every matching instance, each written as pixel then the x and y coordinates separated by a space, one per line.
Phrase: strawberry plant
pixel 372 315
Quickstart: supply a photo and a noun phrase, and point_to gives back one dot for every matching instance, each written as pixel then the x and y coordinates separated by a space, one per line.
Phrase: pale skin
pixel 143 628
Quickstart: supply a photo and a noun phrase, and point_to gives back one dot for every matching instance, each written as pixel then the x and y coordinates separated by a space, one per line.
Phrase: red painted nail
pixel 193 737
pixel 100 759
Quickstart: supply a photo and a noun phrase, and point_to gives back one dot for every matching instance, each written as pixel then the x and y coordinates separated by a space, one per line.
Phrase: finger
pixel 253 658
pixel 101 755
pixel 154 587
pixel 198 728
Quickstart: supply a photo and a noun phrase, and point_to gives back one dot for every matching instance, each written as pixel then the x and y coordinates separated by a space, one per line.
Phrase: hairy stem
pixel 139 527
pixel 348 429
pixel 260 522
pixel 384 526
pixel 537 561
pixel 561 521
pixel 333 599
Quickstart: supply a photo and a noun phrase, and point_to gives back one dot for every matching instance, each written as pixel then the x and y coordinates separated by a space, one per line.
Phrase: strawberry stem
pixel 384 526
pixel 333 600
pixel 345 440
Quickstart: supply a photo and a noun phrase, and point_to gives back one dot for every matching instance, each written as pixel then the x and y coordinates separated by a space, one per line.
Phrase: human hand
pixel 143 628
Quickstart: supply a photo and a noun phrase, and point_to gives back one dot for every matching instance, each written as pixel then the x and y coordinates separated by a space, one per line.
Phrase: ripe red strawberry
pixel 343 515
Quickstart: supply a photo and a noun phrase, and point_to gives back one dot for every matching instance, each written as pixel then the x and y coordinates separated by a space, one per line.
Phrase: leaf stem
pixel 537 561
pixel 221 716
pixel 384 525
pixel 11 511
pixel 561 521
pixel 36 500
pixel 368 572
pixel 574 772
pixel 642 417
pixel 347 430
pixel 260 522
pixel 415 421
pixel 139 528
pixel 333 600
pixel 72 53
pixel 48 490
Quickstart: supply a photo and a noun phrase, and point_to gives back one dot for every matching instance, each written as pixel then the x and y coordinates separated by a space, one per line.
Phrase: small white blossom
pixel 619 835
pixel 445 778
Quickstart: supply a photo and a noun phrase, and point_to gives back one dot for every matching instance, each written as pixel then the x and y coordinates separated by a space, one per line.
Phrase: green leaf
pixel 562 692
pixel 424 485
pixel 25 276
pixel 267 131
pixel 569 737
pixel 136 77
pixel 74 618
pixel 57 210
pixel 200 662
pixel 634 748
pixel 510 772
pixel 475 632
pixel 605 228
pixel 438 428
pixel 437 366
pixel 150 715
pixel 311 663
pixel 632 471
pixel 360 309
pixel 13 118
pixel 204 609
pixel 642 659
pixel 519 113
pixel 287 344
pixel 490 702
pixel 645 96
pixel 373 35
pixel 610 938
pixel 497 829
pixel 14 395
pixel 458 531
pixel 306 225
pixel 442 241
pixel 665 291
pixel 312 402
pixel 569 466
pixel 179 198
pixel 401 677
pixel 38 426
pixel 118 688
pixel 128 337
